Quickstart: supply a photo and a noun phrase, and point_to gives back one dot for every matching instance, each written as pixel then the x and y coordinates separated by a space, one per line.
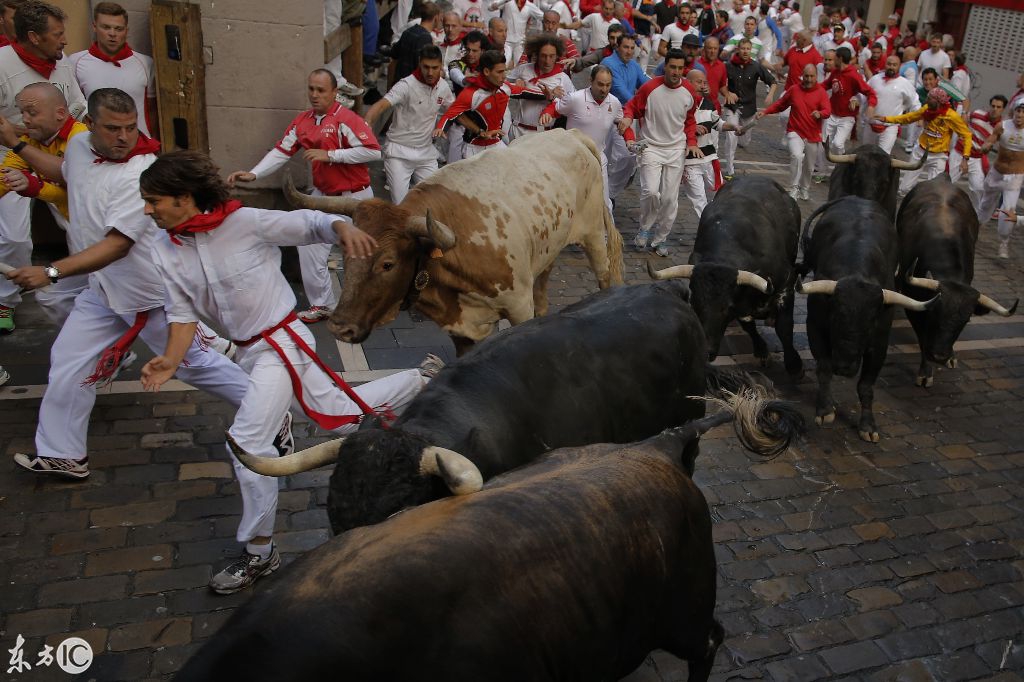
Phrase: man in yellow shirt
pixel 940 123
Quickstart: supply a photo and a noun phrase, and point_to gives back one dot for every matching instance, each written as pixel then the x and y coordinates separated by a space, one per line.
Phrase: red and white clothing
pixel 797 60
pixel 450 52
pixel 128 71
pixel 717 76
pixel 567 14
pixel 491 103
pixel 517 15
pixel 896 96
pixel 738 19
pixel 570 51
pixel 663 113
pixel 934 60
pixel 596 26
pixel 1003 189
pixel 843 85
pixel 525 112
pixel 409 153
pixel 350 145
pixel 981 126
pixel 700 175
pixel 803 131
pixel 674 33
pixel 104 196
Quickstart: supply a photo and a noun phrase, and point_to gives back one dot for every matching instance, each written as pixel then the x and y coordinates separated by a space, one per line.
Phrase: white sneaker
pixel 314 314
pixel 1004 248
pixel 641 239
pixel 805 195
pixel 350 89
pixel 794 193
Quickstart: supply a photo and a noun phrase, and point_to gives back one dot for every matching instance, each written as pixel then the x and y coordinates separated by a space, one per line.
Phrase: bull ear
pixel 434 230
pixel 371 421
pixel 459 474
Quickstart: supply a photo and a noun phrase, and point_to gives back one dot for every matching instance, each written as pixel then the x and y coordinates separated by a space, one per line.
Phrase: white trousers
pixel 975 178
pixel 15 242
pixel 838 130
pixel 316 278
pixel 469 150
pixel 699 184
pixel 402 173
pixel 268 396
pixel 621 162
pixel 885 139
pixel 1000 191
pixel 660 174
pixel 802 155
pixel 933 167
pixel 730 140
pixel 90 329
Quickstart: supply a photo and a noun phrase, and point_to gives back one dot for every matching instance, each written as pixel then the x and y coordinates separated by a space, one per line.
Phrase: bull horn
pixel 459 474
pixel 296 463
pixel 435 230
pixel 923 282
pixel 338 205
pixel 818 286
pixel 984 300
pixel 674 272
pixel 837 158
pixel 751 279
pixel 890 297
pixel 909 165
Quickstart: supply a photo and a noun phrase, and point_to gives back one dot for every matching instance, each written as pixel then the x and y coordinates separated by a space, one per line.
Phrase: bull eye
pixel 387 266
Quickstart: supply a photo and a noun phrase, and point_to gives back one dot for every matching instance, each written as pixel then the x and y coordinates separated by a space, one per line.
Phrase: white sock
pixel 262 551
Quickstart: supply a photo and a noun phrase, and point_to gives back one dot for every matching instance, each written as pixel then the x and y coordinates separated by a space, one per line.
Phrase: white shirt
pixel 16 74
pixel 664 113
pixel 895 95
pixel 595 119
pixel 415 108
pixel 232 274
pixel 830 44
pixel 737 19
pixel 473 11
pixel 598 28
pixel 674 35
pixel 565 16
pixel 962 81
pixel 517 19
pixel 528 111
pixel 135 76
pixel 102 197
pixel 938 62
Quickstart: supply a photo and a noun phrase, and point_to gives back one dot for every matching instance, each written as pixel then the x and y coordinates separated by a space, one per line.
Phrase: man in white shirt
pixel 934 58
pixel 416 100
pixel 673 34
pixel 517 14
pixel 36 56
pixel 474 13
pixel 738 16
pixel 896 95
pixel 111 63
pixel 543 75
pixel 497 33
pixel 222 262
pixel 110 237
pixel 596 26
pixel 839 40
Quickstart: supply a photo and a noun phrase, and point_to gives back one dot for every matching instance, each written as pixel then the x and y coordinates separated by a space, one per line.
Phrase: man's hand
pixel 316 155
pixel 816 115
pixel 9 133
pixel 1011 214
pixel 963 166
pixel 357 244
pixel 554 93
pixel 490 134
pixel 521 82
pixel 545 120
pixel 439 132
pixel 240 176
pixel 731 98
pixel 14 179
pixel 29 277
pixel 701 130
pixel 694 151
pixel 854 104
pixel 623 124
pixel 759 115
pixel 869 113
pixel 568 63
pixel 157 372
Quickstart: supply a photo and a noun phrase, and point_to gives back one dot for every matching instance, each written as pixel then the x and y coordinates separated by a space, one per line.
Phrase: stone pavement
pixel 837 560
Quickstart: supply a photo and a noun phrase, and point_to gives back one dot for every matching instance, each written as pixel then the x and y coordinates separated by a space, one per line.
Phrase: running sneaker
pixel 641 239
pixel 794 193
pixel 6 319
pixel 660 249
pixel 1004 248
pixel 66 468
pixel 431 365
pixel 284 441
pixel 314 314
pixel 805 194
pixel 4 376
pixel 244 571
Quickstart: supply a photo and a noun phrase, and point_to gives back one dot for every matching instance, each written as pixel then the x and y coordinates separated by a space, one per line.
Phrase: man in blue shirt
pixel 627 75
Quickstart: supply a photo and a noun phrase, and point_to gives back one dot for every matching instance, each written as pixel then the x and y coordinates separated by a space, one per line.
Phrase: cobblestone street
pixel 838 560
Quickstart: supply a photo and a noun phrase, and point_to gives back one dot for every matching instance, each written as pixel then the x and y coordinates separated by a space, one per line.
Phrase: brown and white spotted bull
pixel 476 241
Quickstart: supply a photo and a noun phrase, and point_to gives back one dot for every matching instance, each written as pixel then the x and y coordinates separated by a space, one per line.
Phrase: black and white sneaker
pixel 65 468
pixel 244 571
pixel 284 441
pixel 431 365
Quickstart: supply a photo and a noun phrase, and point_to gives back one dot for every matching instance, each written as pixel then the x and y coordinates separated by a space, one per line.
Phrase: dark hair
pixel 330 76
pixel 722 13
pixel 675 53
pixel 1001 98
pixel 490 59
pixel 931 71
pixel 475 36
pixel 912 26
pixel 534 44
pixel 960 58
pixel 12 4
pixel 111 99
pixel 428 10
pixel 844 55
pixel 34 16
pixel 600 68
pixel 614 28
pixel 110 9
pixel 182 172
pixel 430 52
pixel 878 45
pixel 624 36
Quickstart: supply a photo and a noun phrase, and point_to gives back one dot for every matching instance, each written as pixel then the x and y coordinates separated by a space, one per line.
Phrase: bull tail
pixel 763 425
pixel 614 249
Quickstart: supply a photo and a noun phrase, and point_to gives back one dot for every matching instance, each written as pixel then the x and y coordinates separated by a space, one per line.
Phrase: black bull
pixel 743 265
pixel 869 172
pixel 572 568
pixel 618 366
pixel 938 229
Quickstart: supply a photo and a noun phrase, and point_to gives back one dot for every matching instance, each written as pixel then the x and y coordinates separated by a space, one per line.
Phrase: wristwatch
pixel 52 272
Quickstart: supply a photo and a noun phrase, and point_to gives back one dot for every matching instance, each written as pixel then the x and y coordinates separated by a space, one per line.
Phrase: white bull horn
pixel 751 279
pixel 923 282
pixel 338 205
pixel 989 303
pixel 818 286
pixel 296 463
pixel 442 235
pixel 674 272
pixel 890 297
pixel 5 268
pixel 459 474
pixel 909 165
pixel 837 158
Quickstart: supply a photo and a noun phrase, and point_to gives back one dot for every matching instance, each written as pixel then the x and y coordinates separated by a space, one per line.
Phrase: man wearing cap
pixel 839 39
pixel 940 124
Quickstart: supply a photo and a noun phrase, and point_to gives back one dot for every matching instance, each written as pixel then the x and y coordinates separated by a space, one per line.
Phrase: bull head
pixel 827 287
pixel 743 277
pixel 305 460
pixel 893 162
pixel 983 300
pixel 434 230
pixel 459 474
pixel 338 205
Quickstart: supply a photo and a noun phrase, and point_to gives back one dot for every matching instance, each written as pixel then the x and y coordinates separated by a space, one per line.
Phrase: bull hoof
pixel 951 363
pixel 823 419
pixel 869 436
pixel 924 382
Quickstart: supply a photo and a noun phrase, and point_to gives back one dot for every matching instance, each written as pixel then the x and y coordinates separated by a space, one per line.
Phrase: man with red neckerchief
pixel 8 8
pixel 545 76
pixel 111 63
pixel 451 46
pixel 36 56
pixel 843 86
pixel 222 262
pixel 111 238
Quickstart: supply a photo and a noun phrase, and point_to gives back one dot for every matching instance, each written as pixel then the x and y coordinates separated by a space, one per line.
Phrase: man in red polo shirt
pixel 339 144
pixel 714 69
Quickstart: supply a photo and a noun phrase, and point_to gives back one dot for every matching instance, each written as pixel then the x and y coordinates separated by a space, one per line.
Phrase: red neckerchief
pixel 738 61
pixel 684 27
pixel 44 67
pixel 111 358
pixel 204 222
pixel 520 4
pixel 887 77
pixel 874 66
pixel 932 114
pixel 123 53
pixel 608 18
pixel 65 130
pixel 143 145
pixel 719 29
pixel 4 41
pixel 961 68
pixel 607 51
pixel 540 76
pixel 482 83
pixel 419 76
pixel 453 43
